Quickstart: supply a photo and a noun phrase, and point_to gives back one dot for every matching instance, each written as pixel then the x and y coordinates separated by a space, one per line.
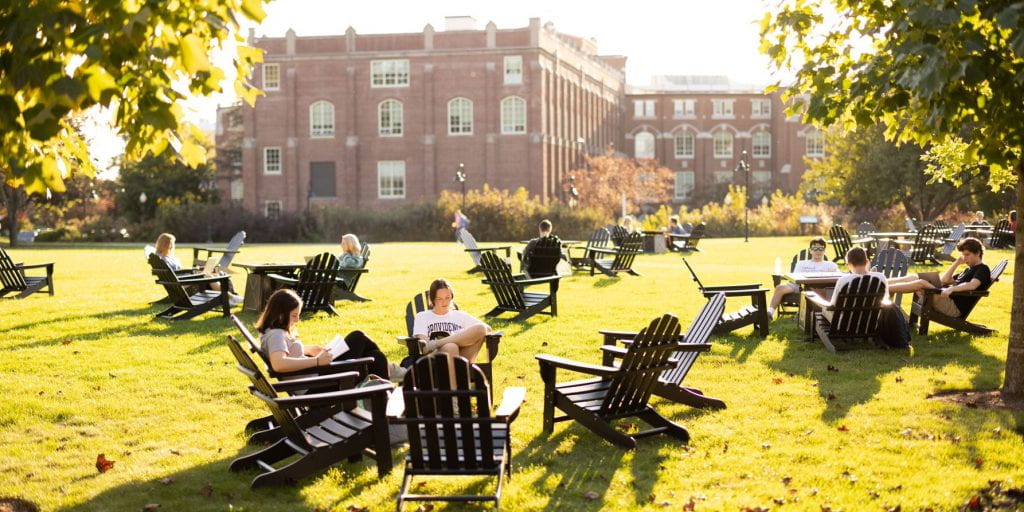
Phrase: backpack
pixel 893 327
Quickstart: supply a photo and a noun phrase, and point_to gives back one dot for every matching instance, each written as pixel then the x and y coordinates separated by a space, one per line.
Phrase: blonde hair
pixel 164 243
pixel 350 244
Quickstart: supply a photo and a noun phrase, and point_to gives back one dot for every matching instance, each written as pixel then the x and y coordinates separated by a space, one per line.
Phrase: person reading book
pixel 817 263
pixel 977 276
pixel 447 329
pixel 165 251
pixel 279 340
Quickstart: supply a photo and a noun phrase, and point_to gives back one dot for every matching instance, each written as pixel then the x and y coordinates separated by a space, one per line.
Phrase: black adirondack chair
pixel 508 290
pixel 618 233
pixel 617 392
pixel 227 254
pixel 792 300
pixel 911 226
pixel 1001 237
pixel 185 302
pixel 865 228
pixel 949 244
pixel 14 280
pixel 841 242
pixel 475 252
pixel 926 241
pixel 688 242
pixel 330 430
pixel 854 315
pixel 315 283
pixel 452 431
pixel 621 257
pixel 756 313
pixel 891 263
pixel 670 382
pixel 359 365
pixel 599 239
pixel 923 313
pixel 421 302
pixel 347 290
pixel 543 258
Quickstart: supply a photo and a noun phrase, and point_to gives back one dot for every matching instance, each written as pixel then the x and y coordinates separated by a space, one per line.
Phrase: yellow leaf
pixel 249 94
pixel 248 53
pixel 51 174
pixel 99 80
pixel 253 9
pixel 192 153
pixel 215 78
pixel 193 54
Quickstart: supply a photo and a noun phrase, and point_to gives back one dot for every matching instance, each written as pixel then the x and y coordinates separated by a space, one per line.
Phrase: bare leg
pixel 911 286
pixel 909 278
pixel 780 291
pixel 466 342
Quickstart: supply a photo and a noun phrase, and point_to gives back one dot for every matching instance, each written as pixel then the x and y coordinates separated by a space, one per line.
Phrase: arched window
pixel 723 144
pixel 815 143
pixel 684 144
pixel 513 115
pixel 460 116
pixel 390 118
pixel 321 119
pixel 761 143
pixel 643 145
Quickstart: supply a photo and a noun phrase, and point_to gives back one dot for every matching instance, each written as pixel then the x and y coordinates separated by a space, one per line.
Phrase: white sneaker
pixel 396 373
pixel 427 346
pixel 234 300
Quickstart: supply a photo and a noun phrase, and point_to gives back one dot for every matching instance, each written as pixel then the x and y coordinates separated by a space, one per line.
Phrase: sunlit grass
pixel 89 371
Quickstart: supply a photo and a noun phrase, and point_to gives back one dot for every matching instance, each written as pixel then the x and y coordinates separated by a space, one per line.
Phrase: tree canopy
pixel 136 58
pixel 604 180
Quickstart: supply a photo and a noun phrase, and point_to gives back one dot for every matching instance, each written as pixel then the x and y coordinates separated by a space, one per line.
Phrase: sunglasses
pixel 817 249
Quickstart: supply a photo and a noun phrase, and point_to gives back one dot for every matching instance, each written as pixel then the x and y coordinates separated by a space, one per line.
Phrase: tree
pixel 161 178
pixel 60 58
pixel 605 180
pixel 863 170
pixel 925 69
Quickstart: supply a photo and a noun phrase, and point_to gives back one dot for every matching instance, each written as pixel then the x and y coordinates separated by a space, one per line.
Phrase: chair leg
pixel 406 480
pixel 819 328
pixel 669 427
pixel 687 396
pixel 275 452
pixel 547 375
pixel 599 426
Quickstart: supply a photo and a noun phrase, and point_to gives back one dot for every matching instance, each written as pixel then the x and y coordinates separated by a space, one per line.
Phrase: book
pixel 337 346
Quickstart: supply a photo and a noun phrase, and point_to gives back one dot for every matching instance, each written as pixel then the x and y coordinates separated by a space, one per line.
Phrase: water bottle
pixel 778 266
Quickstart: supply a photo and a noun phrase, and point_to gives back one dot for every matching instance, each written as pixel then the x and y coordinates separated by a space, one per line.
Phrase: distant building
pixel 380 120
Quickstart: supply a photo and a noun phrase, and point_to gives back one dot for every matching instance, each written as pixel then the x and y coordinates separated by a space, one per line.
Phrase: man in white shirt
pixel 857 260
pixel 817 263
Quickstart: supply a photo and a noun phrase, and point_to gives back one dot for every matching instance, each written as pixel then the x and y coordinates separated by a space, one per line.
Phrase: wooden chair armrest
pixel 614 351
pixel 817 300
pixel 693 347
pixel 684 236
pixel 345 380
pixel 353 270
pixel 614 336
pixel 511 400
pixel 745 292
pixel 359 365
pixel 283 279
pixel 538 280
pixel 506 248
pixel 35 265
pixel 726 288
pixel 200 280
pixel 576 366
pixel 604 250
pixel 375 392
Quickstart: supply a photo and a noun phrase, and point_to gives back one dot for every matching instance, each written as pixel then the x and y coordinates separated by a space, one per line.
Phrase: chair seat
pixel 499 443
pixel 534 298
pixel 338 428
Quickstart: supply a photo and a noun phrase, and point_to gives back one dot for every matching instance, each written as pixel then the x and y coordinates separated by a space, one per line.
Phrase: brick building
pixel 378 120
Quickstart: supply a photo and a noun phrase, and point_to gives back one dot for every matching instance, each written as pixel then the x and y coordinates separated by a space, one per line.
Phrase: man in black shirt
pixel 977 276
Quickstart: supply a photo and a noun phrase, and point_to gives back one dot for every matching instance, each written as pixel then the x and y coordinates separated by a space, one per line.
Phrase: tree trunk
pixel 12 203
pixel 1013 385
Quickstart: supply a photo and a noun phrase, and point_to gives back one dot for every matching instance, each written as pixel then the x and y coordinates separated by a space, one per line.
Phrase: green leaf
pixel 99 81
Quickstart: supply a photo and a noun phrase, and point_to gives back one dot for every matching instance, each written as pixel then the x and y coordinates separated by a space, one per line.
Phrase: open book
pixel 337 346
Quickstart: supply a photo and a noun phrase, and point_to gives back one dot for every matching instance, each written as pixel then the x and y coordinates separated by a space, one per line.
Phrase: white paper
pixel 337 346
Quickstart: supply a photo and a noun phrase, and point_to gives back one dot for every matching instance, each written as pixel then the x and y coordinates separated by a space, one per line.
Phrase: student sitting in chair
pixel 544 230
pixel 857 260
pixel 817 263
pixel 443 328
pixel 165 251
pixel 977 276
pixel 350 256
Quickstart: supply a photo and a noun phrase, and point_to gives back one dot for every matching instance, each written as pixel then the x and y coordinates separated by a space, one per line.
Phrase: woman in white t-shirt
pixel 449 330
pixel 817 263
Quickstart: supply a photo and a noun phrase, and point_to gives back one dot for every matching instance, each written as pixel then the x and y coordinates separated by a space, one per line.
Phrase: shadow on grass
pixel 587 465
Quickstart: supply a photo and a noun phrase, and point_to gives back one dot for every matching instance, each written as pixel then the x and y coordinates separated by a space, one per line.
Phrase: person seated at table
pixel 165 251
pixel 979 219
pixel 977 276
pixel 628 224
pixel 857 261
pixel 673 229
pixel 350 256
pixel 817 263
pixel 279 341
pixel 444 328
pixel 544 231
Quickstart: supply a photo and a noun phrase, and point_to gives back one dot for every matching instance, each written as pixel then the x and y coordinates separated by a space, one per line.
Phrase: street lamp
pixel 460 176
pixel 745 169
pixel 142 204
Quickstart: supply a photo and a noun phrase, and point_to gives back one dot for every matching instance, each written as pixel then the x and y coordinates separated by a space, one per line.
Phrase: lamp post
pixel 745 169
pixel 142 204
pixel 460 176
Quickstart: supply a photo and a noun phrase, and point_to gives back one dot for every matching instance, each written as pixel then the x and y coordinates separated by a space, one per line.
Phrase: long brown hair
pixel 278 311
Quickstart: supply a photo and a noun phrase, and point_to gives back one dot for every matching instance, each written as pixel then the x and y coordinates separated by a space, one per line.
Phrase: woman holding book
pixel 447 329
pixel 280 340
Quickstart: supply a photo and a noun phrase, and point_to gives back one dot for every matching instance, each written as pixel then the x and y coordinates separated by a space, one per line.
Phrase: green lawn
pixel 89 371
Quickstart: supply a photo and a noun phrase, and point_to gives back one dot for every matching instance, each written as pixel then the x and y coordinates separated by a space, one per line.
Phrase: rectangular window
pixel 513 115
pixel 723 144
pixel 271 77
pixel 722 109
pixel 761 108
pixel 683 108
pixel 271 160
pixel 272 209
pixel 513 70
pixel 761 144
pixel 391 179
pixel 321 179
pixel 723 176
pixel 389 73
pixel 237 189
pixel 684 144
pixel 684 184
pixel 643 109
pixel 815 143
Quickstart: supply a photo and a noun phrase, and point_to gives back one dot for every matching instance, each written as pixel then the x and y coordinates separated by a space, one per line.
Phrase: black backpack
pixel 893 327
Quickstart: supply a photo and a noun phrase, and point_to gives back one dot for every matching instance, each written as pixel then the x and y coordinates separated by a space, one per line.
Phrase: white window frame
pixel 322 128
pixel 268 169
pixel 653 147
pixel 682 189
pixel 815 143
pixel 761 148
pixel 460 126
pixel 275 84
pixel 394 168
pixel 720 152
pixel 684 109
pixel 389 73
pixel 237 189
pixel 723 109
pixel 511 64
pixel 644 109
pixel 760 108
pixel 513 107
pixel 682 134
pixel 266 208
pixel 396 118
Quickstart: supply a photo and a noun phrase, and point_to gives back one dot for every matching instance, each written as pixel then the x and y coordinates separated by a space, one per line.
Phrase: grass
pixel 89 371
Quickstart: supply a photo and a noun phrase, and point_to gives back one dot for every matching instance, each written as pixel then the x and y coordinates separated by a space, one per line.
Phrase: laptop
pixel 211 265
pixel 931 277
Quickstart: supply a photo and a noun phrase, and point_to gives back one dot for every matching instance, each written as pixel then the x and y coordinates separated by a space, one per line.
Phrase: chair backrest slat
pixel 891 262
pixel 1001 234
pixel 175 289
pixel 699 332
pixel 617 233
pixel 857 308
pixel 12 277
pixel 954 237
pixel 865 229
pixel 925 241
pixel 469 242
pixel 265 391
pixel 840 239
pixel 544 257
pixel 695 235
pixel 506 292
pixel 629 247
pixel 645 360
pixel 233 246
pixel 316 281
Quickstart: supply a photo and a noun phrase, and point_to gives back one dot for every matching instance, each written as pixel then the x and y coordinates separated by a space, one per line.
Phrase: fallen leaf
pixel 777 380
pixel 61 448
pixel 786 480
pixel 779 501
pixel 898 380
pixel 996 432
pixel 843 428
pixel 651 497
pixel 979 462
pixel 41 393
pixel 207 490
pixel 766 446
pixel 176 452
pixel 897 508
pixel 420 485
pixel 103 465
pixel 831 395
pixel 832 368
pixel 874 494
pixel 126 453
pixel 426 507
pixel 166 480
pixel 150 507
pixel 543 343
pixel 356 508
pixel 974 503
pixel 111 375
pixel 689 505
pixel 67 341
pixel 591 495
